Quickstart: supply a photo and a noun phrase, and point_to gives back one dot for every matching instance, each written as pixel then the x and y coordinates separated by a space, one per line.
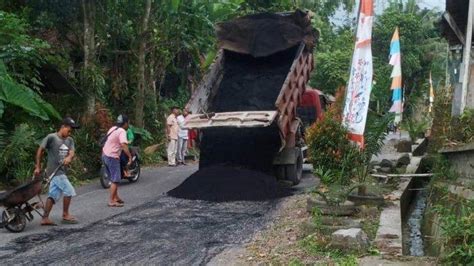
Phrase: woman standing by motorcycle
pixel 114 145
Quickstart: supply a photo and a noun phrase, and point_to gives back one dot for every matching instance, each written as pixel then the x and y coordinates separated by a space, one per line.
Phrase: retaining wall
pixel 461 159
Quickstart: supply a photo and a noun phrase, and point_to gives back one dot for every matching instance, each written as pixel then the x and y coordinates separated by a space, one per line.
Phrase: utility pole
pixel 467 57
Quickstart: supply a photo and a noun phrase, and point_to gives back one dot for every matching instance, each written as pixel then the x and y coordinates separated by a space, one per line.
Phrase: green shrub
pixel 330 151
pixel 374 136
pixel 457 223
pixel 442 168
pixel 415 128
pixel 462 127
pixel 87 163
pixel 17 156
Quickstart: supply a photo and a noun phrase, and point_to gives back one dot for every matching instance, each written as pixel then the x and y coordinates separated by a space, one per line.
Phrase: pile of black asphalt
pixel 252 83
pixel 222 183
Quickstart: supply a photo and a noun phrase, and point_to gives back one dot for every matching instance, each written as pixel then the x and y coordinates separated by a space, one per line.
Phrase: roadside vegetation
pixel 93 60
pixel 142 57
pixel 449 217
pixel 343 168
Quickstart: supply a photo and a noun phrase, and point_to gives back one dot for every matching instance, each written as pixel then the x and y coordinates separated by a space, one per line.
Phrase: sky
pixel 341 16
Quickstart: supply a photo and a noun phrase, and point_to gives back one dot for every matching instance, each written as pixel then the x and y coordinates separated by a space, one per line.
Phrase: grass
pixel 370 221
pixel 318 246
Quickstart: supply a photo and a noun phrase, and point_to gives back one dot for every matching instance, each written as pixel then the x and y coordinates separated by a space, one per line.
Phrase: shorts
pixel 113 169
pixel 60 185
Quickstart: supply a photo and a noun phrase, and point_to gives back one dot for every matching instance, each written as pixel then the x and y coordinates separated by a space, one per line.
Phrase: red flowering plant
pixel 333 156
pixel 337 161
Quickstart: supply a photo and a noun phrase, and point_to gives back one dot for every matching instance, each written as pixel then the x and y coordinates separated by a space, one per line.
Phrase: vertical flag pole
pixel 359 85
pixel 398 91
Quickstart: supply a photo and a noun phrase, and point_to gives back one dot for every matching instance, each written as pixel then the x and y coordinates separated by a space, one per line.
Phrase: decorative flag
pixel 431 95
pixel 395 61
pixel 360 80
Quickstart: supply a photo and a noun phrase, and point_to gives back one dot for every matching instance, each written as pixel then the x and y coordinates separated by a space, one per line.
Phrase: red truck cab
pixel 312 106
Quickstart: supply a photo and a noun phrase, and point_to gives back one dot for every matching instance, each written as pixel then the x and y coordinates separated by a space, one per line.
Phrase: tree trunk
pixel 140 101
pixel 88 9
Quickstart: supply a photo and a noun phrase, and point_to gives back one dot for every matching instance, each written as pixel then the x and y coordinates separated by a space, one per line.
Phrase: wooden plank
pixel 447 16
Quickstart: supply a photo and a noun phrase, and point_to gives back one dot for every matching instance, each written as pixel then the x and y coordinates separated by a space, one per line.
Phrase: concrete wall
pixel 461 159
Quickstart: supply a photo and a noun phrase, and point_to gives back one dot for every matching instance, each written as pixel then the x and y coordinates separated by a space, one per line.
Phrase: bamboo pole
pixel 402 175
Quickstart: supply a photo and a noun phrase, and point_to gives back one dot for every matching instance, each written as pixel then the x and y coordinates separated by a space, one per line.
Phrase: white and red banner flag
pixel 360 80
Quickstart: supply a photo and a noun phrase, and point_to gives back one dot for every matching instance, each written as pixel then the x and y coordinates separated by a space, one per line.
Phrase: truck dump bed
pixel 254 83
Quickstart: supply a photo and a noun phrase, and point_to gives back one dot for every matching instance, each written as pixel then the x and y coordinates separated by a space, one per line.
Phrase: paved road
pixel 91 203
pixel 152 228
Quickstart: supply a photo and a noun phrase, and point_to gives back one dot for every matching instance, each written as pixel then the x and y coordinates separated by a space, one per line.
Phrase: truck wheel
pixel 280 172
pixel 294 172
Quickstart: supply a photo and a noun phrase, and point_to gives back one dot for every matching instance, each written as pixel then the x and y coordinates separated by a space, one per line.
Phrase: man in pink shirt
pixel 115 143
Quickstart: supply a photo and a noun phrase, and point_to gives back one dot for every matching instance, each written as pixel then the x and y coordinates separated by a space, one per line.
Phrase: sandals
pixel 115 204
pixel 69 221
pixel 48 224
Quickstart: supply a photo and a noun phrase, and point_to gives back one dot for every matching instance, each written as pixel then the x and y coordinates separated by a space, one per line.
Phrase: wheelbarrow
pixel 18 209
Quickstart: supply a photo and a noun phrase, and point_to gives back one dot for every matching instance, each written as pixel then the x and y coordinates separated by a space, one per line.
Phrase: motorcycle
pixel 133 169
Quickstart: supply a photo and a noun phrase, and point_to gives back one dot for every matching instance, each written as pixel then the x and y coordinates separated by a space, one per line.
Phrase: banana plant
pixel 13 93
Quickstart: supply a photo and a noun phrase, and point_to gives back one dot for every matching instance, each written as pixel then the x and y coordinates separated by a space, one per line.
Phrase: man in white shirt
pixel 172 129
pixel 182 138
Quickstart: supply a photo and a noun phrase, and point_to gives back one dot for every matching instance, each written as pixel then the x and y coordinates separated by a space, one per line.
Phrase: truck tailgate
pixel 231 119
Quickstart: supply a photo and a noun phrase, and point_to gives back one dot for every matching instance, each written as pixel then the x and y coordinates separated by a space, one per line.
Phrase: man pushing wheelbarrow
pixel 61 150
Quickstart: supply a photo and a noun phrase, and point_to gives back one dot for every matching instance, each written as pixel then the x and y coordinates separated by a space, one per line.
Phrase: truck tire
pixel 280 172
pixel 294 172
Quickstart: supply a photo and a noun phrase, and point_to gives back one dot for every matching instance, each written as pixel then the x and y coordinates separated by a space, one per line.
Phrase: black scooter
pixel 133 169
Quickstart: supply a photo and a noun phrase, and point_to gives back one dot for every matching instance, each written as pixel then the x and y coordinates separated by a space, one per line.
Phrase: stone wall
pixel 461 159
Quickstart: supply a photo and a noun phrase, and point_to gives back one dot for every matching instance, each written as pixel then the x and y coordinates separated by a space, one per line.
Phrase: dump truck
pixel 247 106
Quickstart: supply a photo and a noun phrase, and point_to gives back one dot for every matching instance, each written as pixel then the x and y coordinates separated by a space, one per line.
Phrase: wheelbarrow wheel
pixel 17 223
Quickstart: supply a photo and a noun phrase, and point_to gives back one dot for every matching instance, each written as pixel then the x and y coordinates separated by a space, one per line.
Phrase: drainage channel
pixel 413 205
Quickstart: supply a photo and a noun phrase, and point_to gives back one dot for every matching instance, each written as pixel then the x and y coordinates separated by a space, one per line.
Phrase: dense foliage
pixel 134 57
pixel 423 50
pixel 445 129
pixel 141 57
pixel 455 222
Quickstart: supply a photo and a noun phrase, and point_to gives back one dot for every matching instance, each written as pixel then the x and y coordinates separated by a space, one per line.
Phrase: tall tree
pixel 89 13
pixel 140 101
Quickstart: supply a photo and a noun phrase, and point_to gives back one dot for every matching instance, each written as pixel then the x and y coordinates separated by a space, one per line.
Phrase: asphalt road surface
pixel 151 228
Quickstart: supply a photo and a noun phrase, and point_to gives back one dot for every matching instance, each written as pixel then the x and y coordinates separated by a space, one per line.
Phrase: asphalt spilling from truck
pixel 248 84
pixel 221 183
